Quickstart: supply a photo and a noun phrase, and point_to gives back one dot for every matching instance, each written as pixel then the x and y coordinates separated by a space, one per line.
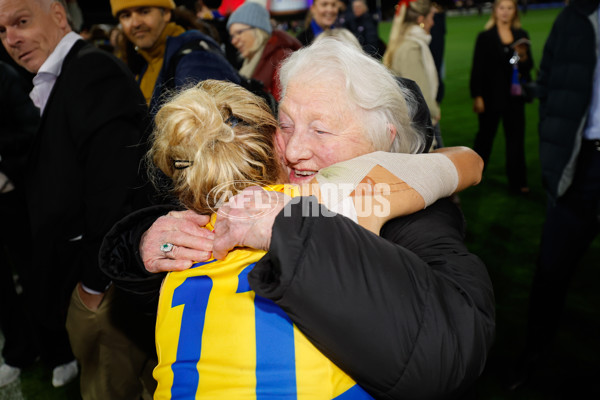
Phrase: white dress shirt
pixel 46 77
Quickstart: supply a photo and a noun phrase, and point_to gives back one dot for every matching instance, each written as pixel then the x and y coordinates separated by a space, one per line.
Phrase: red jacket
pixel 279 46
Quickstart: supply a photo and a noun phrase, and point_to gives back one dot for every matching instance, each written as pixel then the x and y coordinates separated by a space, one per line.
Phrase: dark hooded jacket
pixel 565 89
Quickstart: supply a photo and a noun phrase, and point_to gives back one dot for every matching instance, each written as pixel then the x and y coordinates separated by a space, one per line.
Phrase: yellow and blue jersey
pixel 216 339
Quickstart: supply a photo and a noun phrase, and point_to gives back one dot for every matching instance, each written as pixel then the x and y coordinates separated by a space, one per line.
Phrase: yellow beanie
pixel 120 5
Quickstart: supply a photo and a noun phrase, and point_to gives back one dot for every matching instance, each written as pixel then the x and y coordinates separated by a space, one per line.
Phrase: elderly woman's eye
pixel 286 128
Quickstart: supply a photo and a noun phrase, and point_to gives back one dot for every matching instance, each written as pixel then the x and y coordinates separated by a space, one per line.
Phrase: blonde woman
pixel 408 53
pixel 501 61
pixel 322 15
pixel 214 335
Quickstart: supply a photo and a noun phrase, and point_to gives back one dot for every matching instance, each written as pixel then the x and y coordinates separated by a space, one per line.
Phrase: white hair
pixel 369 85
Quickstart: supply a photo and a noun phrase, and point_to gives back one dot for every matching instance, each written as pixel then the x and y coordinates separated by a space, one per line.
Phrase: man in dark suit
pixel 81 169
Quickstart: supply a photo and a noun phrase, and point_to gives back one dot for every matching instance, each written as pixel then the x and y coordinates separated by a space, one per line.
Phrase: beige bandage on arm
pixel 433 176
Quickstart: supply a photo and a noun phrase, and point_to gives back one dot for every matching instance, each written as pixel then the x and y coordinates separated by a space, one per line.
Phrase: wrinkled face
pixel 318 127
pixel 505 12
pixel 324 12
pixel 242 38
pixel 144 25
pixel 30 32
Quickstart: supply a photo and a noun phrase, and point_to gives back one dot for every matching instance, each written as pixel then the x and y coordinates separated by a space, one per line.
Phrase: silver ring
pixel 166 247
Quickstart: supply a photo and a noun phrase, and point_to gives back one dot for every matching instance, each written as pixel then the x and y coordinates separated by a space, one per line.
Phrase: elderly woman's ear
pixel 392 132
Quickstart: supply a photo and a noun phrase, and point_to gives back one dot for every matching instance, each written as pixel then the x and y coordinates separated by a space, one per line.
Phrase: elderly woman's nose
pixel 297 148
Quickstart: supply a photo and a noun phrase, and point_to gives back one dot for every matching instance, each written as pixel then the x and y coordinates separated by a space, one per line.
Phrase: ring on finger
pixel 166 247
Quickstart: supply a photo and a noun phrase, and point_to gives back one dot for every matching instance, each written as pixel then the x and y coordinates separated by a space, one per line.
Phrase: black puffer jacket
pixel 565 81
pixel 410 317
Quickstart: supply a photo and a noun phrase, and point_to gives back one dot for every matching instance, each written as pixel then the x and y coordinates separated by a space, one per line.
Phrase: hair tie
pixel 182 164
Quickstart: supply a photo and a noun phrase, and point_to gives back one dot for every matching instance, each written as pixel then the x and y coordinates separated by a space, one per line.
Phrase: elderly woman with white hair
pixel 408 313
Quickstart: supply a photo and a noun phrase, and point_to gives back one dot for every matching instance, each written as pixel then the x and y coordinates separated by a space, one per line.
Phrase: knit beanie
pixel 120 5
pixel 251 14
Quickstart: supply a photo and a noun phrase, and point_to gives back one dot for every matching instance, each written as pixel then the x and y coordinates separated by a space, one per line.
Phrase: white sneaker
pixel 8 374
pixel 64 373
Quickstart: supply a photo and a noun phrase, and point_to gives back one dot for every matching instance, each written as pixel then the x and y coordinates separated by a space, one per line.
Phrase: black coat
pixel 491 72
pixel 565 87
pixel 410 317
pixel 306 36
pixel 20 119
pixel 366 31
pixel 80 173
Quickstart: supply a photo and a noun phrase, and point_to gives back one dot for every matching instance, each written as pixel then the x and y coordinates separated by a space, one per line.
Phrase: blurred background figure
pixel 262 47
pixel 208 11
pixel 437 47
pixel 20 120
pixel 79 175
pixel 408 54
pixel 117 41
pixel 322 15
pixel 163 54
pixel 362 24
pixel 570 156
pixel 501 63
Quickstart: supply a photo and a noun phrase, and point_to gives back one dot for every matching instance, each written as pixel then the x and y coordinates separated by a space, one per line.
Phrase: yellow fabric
pixel 216 339
pixel 120 5
pixel 154 57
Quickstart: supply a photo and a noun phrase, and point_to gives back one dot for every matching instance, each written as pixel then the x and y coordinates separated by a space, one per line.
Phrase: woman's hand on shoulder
pixel 175 241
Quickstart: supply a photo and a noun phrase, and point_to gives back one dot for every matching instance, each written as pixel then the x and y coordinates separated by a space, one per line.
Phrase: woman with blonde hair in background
pixel 408 54
pixel 322 15
pixel 501 62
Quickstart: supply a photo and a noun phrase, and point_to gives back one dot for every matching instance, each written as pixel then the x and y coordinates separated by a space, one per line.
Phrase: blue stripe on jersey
pixel 275 351
pixel 275 347
pixel 354 393
pixel 194 291
pixel 199 264
pixel 243 284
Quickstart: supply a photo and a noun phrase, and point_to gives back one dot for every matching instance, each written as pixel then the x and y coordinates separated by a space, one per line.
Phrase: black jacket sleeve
pixel 20 120
pixel 411 317
pixel 119 258
pixel 478 68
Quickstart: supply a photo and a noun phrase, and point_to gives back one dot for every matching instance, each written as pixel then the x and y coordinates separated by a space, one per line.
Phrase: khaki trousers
pixel 112 366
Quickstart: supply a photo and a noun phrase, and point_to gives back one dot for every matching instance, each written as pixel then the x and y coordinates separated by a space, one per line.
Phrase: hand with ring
pixel 175 241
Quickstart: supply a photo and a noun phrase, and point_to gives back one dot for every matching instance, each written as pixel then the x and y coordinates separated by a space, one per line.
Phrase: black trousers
pixel 572 223
pixel 20 347
pixel 513 122
pixel 26 337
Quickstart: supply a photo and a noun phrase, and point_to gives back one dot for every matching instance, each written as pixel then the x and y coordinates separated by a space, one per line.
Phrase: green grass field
pixel 502 229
